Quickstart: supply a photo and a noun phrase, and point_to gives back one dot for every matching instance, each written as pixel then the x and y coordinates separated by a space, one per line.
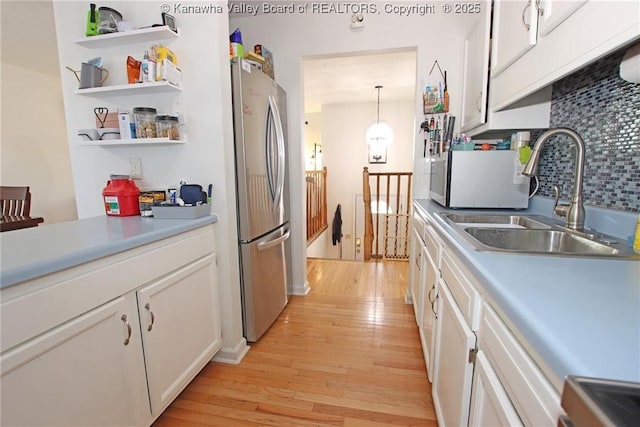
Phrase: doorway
pixel 341 101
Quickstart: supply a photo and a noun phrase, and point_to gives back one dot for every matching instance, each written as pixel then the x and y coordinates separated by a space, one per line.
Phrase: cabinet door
pixel 83 372
pixel 476 75
pixel 553 12
pixel 431 275
pixel 180 328
pixel 514 32
pixel 490 405
pixel 416 275
pixel 452 382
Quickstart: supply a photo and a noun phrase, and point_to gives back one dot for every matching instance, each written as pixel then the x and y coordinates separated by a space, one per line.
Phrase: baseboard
pixel 232 356
pixel 301 290
pixel 407 297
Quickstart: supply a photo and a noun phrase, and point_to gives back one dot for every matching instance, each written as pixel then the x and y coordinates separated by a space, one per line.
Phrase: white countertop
pixel 33 252
pixel 580 315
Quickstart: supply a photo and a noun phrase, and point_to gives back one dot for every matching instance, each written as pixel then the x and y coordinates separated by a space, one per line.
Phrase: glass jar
pixel 145 120
pixel 167 127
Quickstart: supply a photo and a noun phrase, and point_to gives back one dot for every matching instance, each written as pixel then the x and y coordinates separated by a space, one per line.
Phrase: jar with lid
pixel 145 120
pixel 167 127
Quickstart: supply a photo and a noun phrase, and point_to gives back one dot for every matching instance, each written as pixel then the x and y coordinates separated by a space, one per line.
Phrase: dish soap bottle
pixel 636 239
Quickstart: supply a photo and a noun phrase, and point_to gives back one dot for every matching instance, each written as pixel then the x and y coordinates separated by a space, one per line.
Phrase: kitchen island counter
pixel 578 316
pixel 34 252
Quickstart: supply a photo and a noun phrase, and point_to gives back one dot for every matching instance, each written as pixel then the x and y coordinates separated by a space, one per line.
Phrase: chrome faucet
pixel 574 211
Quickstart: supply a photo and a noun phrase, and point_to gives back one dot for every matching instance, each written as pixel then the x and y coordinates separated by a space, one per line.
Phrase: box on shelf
pixel 127 128
pixel 146 199
pixel 110 121
pixel 262 51
pixel 168 71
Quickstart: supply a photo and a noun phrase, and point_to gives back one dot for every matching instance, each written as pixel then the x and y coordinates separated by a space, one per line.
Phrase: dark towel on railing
pixel 336 226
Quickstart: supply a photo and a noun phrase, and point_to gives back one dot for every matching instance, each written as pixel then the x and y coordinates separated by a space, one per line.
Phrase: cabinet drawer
pixel 418 225
pixel 534 398
pixel 464 292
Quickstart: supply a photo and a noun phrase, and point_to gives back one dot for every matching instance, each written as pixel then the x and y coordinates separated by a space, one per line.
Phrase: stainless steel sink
pixel 534 234
pixel 539 241
pixel 600 402
pixel 502 221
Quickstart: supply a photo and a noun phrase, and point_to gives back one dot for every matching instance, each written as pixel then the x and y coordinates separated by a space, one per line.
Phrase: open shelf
pixel 132 142
pixel 142 35
pixel 131 89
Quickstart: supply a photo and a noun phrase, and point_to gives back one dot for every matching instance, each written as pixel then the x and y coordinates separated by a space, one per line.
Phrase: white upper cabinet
pixel 479 118
pixel 475 78
pixel 553 12
pixel 515 27
pixel 572 34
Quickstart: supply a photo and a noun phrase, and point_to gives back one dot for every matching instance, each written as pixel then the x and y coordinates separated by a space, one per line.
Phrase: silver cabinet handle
pixel 153 318
pixel 435 314
pixel 124 319
pixel 433 288
pixel 524 11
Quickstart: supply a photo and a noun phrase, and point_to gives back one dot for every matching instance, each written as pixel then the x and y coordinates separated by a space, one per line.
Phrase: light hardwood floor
pixel 347 354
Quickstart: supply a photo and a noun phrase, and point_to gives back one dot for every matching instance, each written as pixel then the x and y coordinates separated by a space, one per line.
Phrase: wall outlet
pixel 135 168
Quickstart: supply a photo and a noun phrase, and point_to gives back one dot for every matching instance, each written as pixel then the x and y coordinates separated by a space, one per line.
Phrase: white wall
pixel 346 154
pixel 207 157
pixel 291 37
pixel 312 135
pixel 34 142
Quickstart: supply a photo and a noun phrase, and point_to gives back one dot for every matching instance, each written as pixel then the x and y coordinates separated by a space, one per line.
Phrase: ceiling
pixel 29 41
pixel 353 78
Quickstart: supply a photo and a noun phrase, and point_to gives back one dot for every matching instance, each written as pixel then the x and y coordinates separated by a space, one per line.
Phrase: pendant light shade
pixel 380 134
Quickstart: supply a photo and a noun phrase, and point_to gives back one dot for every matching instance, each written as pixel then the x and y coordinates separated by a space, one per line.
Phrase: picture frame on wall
pixel 377 155
pixel 170 22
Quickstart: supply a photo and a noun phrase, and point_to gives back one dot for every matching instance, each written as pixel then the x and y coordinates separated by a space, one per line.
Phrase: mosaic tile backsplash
pixel 605 111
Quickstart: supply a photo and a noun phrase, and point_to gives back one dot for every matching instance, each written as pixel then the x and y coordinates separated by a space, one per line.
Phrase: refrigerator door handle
pixel 280 157
pixel 271 243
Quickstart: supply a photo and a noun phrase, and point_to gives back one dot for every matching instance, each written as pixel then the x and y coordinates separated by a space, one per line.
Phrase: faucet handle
pixel 559 209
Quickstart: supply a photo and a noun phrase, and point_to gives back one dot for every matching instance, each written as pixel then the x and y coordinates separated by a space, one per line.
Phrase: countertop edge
pixel 13 276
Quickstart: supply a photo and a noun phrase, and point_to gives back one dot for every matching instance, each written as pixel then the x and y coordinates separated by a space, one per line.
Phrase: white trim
pixel 232 356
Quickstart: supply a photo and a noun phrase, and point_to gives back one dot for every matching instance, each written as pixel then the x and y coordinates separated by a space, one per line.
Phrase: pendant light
pixel 380 134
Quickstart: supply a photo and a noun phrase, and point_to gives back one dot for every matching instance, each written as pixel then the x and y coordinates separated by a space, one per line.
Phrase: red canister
pixel 121 196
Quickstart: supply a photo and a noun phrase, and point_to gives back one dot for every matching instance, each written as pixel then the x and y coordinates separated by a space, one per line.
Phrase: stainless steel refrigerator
pixel 259 116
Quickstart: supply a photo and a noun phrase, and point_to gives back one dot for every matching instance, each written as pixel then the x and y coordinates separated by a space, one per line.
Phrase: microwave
pixel 479 179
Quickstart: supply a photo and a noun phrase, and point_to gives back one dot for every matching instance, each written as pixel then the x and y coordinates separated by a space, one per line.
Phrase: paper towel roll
pixel 630 65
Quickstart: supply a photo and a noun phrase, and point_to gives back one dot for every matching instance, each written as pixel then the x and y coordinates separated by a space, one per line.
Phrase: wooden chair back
pixel 15 201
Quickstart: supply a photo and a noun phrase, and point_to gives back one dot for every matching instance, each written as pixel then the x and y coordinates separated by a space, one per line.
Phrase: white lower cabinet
pixel 533 397
pixel 482 375
pixel 430 300
pixel 454 367
pixel 180 329
pixel 416 280
pixel 88 371
pixel 490 404
pixel 122 359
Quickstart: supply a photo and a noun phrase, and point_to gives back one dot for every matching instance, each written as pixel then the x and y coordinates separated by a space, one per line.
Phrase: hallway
pixel 348 354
